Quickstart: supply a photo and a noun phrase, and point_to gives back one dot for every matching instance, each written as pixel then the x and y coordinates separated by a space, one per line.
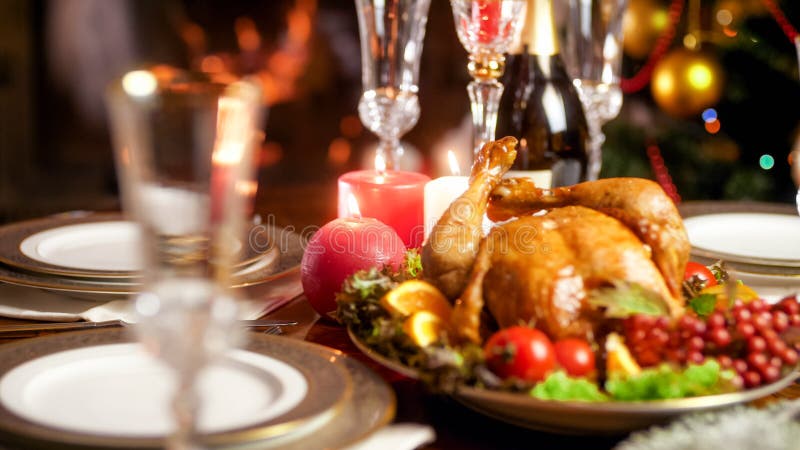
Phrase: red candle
pixel 396 198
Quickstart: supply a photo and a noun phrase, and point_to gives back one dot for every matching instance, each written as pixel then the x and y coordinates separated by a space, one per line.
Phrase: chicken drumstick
pixel 450 250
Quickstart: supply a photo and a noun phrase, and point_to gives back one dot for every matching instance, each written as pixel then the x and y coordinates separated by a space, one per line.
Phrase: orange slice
pixel 423 327
pixel 743 292
pixel 412 296
pixel 619 360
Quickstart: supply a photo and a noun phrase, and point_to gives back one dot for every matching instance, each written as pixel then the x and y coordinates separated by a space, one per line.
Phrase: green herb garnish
pixel 666 381
pixel 559 386
pixel 703 304
pixel 626 299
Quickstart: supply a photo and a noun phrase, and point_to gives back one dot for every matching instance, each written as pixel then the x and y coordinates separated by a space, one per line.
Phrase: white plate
pixel 96 389
pixel 106 246
pixel 755 238
pixel 101 246
pixel 120 390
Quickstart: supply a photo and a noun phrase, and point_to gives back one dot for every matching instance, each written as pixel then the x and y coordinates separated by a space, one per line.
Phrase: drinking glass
pixel 391 34
pixel 183 149
pixel 593 54
pixel 486 29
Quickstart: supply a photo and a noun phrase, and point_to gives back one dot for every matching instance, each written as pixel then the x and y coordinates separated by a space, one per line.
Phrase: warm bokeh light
pixel 664 82
pixel 271 153
pixel 139 83
pixel 212 64
pixel 730 32
pixel 339 151
pixel 724 17
pixel 700 76
pixel 713 126
pixel 659 19
pixel 351 126
pixel 247 35
pixel 247 188
pixel 690 41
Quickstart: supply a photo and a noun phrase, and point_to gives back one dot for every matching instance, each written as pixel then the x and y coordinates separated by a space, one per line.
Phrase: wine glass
pixel 391 34
pixel 183 148
pixel 593 54
pixel 486 30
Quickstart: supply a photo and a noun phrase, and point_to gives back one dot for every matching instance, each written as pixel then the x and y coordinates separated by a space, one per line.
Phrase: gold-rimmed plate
pixel 755 241
pixel 575 417
pixel 91 246
pixel 280 265
pixel 310 396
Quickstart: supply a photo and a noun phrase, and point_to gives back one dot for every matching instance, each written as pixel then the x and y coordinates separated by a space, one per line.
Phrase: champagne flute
pixel 486 29
pixel 183 148
pixel 593 55
pixel 391 34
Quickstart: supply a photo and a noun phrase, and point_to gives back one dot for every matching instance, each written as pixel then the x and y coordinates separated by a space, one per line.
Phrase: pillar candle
pixel 439 194
pixel 394 197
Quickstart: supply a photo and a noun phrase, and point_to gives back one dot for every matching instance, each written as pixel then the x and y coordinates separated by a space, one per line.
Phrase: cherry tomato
pixel 521 352
pixel 575 356
pixel 700 271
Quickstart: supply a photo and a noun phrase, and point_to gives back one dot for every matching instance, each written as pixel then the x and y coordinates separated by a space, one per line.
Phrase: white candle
pixel 439 194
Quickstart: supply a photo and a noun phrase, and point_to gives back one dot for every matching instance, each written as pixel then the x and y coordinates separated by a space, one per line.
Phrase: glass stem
pixel 484 97
pixel 389 149
pixel 596 140
pixel 185 405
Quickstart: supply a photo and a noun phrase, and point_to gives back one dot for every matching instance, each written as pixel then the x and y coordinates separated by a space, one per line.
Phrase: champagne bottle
pixel 540 106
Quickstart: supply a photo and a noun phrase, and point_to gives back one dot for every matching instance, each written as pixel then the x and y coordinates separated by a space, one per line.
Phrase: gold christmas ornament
pixel 686 82
pixel 644 21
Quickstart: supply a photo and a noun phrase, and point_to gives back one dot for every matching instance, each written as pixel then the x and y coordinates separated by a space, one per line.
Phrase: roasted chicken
pixel 544 268
pixel 639 203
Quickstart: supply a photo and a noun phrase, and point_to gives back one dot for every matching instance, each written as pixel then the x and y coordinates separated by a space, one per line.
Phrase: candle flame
pixel 352 206
pixel 455 168
pixel 380 163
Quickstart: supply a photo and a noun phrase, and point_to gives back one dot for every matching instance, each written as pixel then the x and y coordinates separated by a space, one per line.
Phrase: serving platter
pixel 91 246
pixel 576 417
pixel 273 393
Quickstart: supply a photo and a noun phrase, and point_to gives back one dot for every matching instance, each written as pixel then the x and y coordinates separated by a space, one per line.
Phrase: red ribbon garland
pixel 637 82
pixel 662 173
pixel 779 17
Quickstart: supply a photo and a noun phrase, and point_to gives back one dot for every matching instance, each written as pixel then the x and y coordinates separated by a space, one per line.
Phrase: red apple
pixel 339 249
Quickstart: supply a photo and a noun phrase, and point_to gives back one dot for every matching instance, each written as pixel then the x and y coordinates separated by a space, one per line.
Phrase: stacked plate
pixel 761 249
pixel 99 389
pixel 95 255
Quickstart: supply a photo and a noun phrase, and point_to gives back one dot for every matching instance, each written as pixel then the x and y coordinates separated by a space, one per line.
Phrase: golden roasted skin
pixel 450 250
pixel 541 270
pixel 639 203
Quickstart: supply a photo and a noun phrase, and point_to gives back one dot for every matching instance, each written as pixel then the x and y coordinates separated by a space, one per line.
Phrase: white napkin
pixel 401 436
pixel 20 302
